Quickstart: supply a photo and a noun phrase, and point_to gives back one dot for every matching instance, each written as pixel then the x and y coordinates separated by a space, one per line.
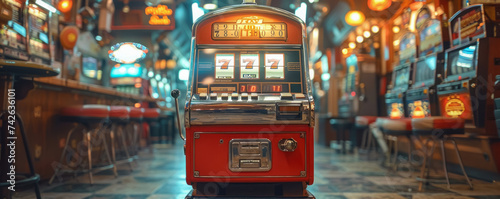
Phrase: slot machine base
pixel 249 190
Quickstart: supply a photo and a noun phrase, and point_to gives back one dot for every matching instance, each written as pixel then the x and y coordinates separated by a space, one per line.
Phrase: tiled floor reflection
pixel 161 175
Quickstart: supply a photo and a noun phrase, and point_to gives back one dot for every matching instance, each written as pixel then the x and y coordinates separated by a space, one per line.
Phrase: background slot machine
pixel 471 65
pixel 39 35
pixel 359 87
pixel 13 42
pixel 128 78
pixel 428 71
pixel 395 98
pixel 249 114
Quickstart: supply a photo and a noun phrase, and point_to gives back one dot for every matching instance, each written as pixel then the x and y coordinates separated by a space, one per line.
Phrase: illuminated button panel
pixel 249 155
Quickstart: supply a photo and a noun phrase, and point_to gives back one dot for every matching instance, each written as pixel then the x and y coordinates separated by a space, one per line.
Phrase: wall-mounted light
pixel 65 5
pixel 359 39
pixel 395 29
pixel 354 18
pixel 379 5
pixel 352 45
pixel 366 34
pixel 345 51
pixel 375 29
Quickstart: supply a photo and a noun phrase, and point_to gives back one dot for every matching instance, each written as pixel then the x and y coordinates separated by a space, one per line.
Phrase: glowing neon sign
pixel 128 52
pixel 159 15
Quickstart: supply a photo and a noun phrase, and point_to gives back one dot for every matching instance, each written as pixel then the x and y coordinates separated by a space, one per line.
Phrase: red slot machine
pixel 249 113
pixel 13 42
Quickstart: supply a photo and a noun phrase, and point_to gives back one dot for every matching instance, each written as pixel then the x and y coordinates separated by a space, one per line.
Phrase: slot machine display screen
pixel 248 71
pixel 425 71
pixel 461 61
pixel 402 76
pixel 14 34
pixel 39 32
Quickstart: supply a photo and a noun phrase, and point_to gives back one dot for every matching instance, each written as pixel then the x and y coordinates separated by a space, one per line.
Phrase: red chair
pixel 86 116
pixel 363 123
pixel 393 130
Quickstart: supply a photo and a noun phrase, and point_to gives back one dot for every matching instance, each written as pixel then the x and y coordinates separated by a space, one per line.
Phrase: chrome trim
pixel 260 155
pixel 210 112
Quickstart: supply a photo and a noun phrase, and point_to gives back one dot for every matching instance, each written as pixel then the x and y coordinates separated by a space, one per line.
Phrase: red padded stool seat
pixel 395 126
pixel 365 121
pixel 151 113
pixel 136 114
pixel 85 113
pixel 438 125
pixel 119 113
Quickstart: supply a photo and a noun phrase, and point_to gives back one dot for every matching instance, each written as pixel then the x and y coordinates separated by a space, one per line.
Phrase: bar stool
pixel 136 118
pixel 10 73
pixel 151 116
pixel 439 129
pixel 343 126
pixel 119 118
pixel 393 130
pixel 362 123
pixel 85 116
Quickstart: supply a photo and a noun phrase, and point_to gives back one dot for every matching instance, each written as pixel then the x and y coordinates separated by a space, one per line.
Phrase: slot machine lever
pixel 175 94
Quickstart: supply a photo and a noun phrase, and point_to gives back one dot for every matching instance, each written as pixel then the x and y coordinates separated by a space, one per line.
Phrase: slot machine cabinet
pixel 395 98
pixel 428 71
pixel 359 88
pixel 13 38
pixel 39 36
pixel 468 89
pixel 249 113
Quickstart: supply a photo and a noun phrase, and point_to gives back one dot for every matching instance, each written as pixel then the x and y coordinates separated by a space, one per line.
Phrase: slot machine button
pixel 254 96
pixel 286 96
pixel 213 96
pixel 244 96
pixel 300 96
pixel 234 96
pixel 224 96
pixel 203 96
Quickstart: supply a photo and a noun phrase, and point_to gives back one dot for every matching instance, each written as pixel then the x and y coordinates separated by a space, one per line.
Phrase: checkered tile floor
pixel 161 174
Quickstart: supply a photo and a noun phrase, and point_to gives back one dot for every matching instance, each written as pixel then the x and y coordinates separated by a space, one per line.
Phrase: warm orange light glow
pixel 137 105
pixel 65 5
pixel 418 112
pixel 345 51
pixel 138 85
pixel 352 45
pixel 416 5
pixel 354 18
pixel 159 15
pixel 379 5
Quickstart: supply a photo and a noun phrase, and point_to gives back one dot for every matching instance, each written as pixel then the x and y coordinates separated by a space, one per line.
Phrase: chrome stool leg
pixel 106 150
pixel 113 150
pixel 396 148
pixel 441 142
pixel 58 167
pixel 89 155
pixel 124 144
pixel 461 163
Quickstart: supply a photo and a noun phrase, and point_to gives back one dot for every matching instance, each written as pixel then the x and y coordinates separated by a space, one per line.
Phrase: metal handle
pixel 175 94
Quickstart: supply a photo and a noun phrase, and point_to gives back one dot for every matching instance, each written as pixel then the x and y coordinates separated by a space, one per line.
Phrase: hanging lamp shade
pixel 354 18
pixel 379 5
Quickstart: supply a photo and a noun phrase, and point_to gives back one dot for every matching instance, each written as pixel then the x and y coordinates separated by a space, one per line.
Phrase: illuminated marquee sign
pixel 128 52
pixel 249 28
pixel 159 15
pixel 456 106
pixel 396 111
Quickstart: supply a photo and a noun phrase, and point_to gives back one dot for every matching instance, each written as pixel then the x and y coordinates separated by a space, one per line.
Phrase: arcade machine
pixel 422 98
pixel 128 78
pixel 249 113
pixel 39 35
pixel 395 98
pixel 13 42
pixel 471 66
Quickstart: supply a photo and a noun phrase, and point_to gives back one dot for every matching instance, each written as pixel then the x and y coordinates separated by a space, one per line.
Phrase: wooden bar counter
pixel 46 132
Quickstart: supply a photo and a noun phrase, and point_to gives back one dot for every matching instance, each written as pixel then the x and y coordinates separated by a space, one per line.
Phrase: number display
pixel 224 66
pixel 249 66
pixel 275 66
pixel 234 31
pixel 249 88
